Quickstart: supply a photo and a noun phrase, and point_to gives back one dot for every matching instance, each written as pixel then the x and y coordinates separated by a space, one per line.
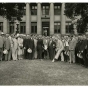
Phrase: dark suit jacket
pixel 31 44
pixel 40 44
pixel 52 46
pixel 7 44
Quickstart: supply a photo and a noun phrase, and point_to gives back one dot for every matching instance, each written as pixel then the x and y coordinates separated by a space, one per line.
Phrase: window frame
pixel 56 26
pixel 68 30
pixel 57 10
pixel 34 27
pixel 45 9
pixel 1 26
pixel 22 27
pixel 34 9
pixel 11 27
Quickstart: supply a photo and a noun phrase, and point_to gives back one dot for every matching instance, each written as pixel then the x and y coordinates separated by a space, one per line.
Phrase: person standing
pixel 39 47
pixel 3 36
pixel 31 46
pixel 51 48
pixel 14 48
pixel 1 47
pixel 72 46
pixel 25 47
pixel 35 49
pixel 20 47
pixel 59 48
pixel 7 46
pixel 45 46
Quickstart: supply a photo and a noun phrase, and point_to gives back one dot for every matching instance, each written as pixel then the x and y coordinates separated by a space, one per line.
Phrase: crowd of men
pixel 72 49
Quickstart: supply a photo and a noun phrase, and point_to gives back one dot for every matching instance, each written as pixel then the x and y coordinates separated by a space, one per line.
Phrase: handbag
pixel 5 51
pixel 29 50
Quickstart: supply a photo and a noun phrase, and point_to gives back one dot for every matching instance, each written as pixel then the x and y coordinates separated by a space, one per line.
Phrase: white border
pixel 74 1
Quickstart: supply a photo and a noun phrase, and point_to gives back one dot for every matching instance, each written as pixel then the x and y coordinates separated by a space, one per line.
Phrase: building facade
pixel 38 18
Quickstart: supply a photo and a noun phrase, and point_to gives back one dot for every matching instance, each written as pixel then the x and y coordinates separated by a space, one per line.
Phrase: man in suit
pixel 3 36
pixel 1 47
pixel 25 46
pixel 7 46
pixel 72 46
pixel 39 47
pixel 51 48
pixel 31 46
pixel 83 50
pixel 45 46
pixel 85 53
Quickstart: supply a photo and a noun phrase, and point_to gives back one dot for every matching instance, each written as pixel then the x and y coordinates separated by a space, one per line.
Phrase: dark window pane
pixel 47 7
pixel 57 10
pixel 56 27
pixel 22 27
pixel 1 26
pixel 11 26
pixel 47 12
pixel 34 10
pixel 33 27
pixel 43 12
pixel 68 27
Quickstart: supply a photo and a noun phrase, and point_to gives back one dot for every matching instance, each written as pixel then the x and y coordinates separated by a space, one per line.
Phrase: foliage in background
pixel 78 9
pixel 12 10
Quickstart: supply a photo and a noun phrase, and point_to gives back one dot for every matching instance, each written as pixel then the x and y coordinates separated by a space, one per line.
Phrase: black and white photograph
pixel 43 43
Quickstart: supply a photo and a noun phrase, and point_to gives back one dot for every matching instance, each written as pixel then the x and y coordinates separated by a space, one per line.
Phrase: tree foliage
pixel 78 9
pixel 12 10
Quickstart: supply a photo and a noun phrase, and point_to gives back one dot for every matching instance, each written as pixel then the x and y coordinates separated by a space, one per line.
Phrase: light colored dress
pixel 35 52
pixel 20 48
pixel 14 49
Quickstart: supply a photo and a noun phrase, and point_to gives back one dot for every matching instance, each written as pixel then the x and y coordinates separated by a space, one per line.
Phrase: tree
pixel 78 9
pixel 12 10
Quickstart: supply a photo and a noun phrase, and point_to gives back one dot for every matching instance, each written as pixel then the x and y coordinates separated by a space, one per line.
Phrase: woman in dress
pixel 20 47
pixel 14 48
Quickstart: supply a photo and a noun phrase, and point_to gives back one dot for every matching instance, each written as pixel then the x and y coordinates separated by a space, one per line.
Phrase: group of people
pixel 67 48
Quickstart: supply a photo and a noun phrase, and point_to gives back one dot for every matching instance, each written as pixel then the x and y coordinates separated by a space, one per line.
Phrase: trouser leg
pixel 62 57
pixel 58 54
pixel 1 54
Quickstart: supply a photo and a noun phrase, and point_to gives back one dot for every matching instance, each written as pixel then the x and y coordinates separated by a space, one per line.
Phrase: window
pixel 57 10
pixel 68 27
pixel 22 27
pixel 45 10
pixel 34 27
pixel 57 27
pixel 33 10
pixel 1 26
pixel 11 27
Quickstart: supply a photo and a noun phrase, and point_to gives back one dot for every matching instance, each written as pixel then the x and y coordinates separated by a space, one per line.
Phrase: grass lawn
pixel 37 72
